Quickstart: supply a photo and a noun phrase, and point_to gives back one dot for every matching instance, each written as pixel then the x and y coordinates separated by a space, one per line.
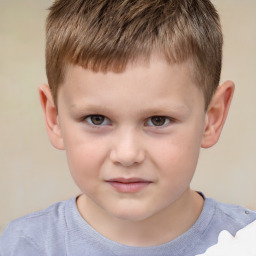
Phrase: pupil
pixel 97 120
pixel 158 120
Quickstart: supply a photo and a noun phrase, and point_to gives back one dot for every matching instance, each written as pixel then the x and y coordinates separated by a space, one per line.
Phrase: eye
pixel 97 120
pixel 158 121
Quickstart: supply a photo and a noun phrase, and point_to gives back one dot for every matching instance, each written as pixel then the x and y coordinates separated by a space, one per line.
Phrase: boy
pixel 133 95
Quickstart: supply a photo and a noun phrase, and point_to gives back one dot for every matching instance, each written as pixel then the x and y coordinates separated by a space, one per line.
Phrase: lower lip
pixel 128 187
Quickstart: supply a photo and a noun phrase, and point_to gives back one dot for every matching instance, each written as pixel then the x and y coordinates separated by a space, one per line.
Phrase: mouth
pixel 131 185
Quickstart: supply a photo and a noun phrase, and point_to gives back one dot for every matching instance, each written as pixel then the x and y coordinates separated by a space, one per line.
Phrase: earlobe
pixel 216 114
pixel 51 117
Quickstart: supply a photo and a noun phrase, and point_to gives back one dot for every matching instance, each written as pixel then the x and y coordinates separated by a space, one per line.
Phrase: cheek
pixel 176 171
pixel 177 156
pixel 85 159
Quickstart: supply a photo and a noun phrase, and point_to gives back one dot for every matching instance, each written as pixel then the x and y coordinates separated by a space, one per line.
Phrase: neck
pixel 163 227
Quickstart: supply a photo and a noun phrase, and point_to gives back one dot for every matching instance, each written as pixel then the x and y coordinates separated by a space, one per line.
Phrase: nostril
pixel 126 149
pixel 127 158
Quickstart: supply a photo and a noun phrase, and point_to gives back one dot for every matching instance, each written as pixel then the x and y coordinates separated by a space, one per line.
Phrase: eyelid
pixel 105 122
pixel 168 120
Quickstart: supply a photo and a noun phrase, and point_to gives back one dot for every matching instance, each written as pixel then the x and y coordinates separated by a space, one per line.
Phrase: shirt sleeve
pixel 14 242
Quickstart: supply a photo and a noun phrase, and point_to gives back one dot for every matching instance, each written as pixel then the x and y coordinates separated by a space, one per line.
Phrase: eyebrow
pixel 90 107
pixel 165 110
pixel 158 109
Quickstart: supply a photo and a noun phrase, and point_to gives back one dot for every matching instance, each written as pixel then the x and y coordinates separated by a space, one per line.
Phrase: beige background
pixel 34 175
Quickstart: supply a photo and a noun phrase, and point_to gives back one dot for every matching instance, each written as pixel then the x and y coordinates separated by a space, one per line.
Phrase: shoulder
pixel 41 220
pixel 235 212
pixel 215 218
pixel 35 230
pixel 231 217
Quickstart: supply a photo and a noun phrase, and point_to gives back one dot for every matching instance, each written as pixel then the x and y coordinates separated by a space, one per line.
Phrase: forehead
pixel 154 66
pixel 154 81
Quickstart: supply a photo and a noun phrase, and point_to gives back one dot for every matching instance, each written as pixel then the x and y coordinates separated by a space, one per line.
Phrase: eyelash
pixel 106 121
pixel 89 120
pixel 167 120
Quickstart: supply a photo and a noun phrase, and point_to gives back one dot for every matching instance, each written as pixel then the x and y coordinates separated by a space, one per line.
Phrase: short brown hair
pixel 104 35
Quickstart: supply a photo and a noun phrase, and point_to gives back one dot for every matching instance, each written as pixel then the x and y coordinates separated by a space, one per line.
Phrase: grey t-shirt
pixel 60 231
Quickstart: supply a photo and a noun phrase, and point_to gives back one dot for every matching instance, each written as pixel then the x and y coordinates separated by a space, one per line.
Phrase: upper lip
pixel 128 180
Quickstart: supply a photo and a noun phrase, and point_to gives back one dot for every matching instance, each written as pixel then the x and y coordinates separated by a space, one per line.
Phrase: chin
pixel 131 214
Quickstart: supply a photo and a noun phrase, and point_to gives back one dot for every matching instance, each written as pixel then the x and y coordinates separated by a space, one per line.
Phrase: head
pixel 107 35
pixel 132 100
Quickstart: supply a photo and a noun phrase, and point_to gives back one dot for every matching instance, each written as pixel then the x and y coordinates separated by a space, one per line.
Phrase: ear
pixel 216 113
pixel 51 117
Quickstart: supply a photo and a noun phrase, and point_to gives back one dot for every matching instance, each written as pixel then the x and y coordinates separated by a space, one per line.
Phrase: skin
pixel 135 160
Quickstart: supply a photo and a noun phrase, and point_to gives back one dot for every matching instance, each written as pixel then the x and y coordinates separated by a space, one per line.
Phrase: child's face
pixel 132 139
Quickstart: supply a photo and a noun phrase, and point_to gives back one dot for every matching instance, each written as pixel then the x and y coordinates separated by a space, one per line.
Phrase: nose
pixel 127 149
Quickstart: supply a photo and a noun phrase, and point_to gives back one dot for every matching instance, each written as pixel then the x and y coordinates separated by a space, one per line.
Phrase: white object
pixel 243 244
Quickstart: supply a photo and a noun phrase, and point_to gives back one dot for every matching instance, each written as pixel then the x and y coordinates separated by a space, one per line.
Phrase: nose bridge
pixel 127 149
